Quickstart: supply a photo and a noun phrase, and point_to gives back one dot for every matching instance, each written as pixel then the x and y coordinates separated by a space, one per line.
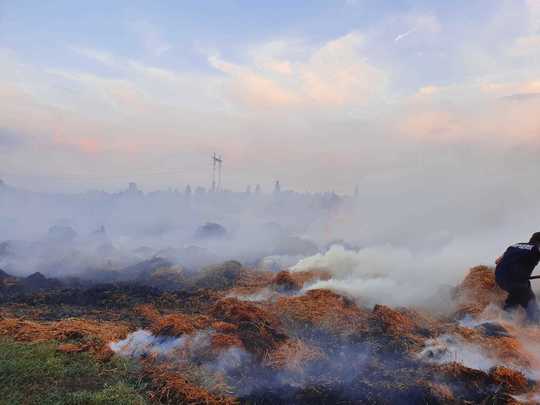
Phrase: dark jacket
pixel 517 263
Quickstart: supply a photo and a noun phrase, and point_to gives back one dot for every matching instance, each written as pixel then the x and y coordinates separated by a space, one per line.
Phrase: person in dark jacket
pixel 512 274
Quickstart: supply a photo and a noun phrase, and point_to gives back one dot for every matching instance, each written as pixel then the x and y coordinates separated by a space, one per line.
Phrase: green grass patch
pixel 36 373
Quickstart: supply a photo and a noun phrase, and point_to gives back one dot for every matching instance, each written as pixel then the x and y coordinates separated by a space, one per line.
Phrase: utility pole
pixel 220 161
pixel 216 160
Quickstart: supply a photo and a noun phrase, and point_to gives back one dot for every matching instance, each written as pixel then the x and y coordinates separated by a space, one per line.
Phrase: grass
pixel 36 373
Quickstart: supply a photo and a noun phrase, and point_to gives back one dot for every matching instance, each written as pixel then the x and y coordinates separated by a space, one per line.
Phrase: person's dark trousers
pixel 521 294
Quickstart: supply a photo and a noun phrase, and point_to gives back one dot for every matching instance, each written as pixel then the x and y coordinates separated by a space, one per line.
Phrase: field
pixel 234 335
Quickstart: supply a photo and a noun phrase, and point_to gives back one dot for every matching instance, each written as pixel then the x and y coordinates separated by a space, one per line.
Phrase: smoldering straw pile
pixel 294 345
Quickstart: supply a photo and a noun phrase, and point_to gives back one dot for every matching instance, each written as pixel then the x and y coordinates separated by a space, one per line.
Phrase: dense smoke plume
pixel 388 246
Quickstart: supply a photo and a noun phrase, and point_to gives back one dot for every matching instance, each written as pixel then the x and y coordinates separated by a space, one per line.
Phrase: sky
pixel 321 95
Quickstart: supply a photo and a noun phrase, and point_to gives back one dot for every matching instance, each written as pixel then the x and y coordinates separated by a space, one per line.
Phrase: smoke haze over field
pixel 395 247
pixel 430 108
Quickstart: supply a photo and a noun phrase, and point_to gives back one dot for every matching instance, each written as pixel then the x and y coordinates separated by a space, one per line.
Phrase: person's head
pixel 535 239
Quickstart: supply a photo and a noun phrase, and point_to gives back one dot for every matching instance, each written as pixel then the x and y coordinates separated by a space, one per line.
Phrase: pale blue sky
pixel 102 92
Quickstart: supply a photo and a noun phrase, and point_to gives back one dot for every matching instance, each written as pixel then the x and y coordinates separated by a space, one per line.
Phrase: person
pixel 512 274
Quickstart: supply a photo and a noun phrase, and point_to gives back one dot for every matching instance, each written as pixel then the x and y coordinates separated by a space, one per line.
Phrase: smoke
pixel 407 253
pixel 401 245
pixel 451 348
pixel 245 375
pixel 384 274
pixel 511 324
pixel 61 234
pixel 496 324
pixel 183 352
pixel 181 349
pixel 142 342
pixel 263 295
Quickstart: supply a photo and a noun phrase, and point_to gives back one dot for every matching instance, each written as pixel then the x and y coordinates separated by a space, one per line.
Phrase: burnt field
pixel 229 334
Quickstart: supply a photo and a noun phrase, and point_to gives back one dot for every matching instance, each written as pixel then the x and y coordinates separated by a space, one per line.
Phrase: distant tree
pixel 132 188
pixel 187 192
pixel 258 189
pixel 200 190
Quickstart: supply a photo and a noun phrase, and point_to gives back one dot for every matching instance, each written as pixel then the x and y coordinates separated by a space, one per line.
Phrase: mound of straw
pixel 321 309
pixel 259 330
pixel 293 355
pixel 78 334
pixel 477 291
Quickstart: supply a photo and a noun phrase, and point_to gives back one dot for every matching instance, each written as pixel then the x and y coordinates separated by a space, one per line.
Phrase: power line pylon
pixel 216 160
pixel 220 162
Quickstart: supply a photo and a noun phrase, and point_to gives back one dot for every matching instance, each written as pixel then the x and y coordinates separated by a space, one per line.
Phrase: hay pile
pixel 221 342
pixel 472 378
pixel 179 324
pixel 293 355
pixel 507 349
pixel 224 327
pixel 401 330
pixel 230 323
pixel 508 382
pixel 251 282
pixel 477 291
pixel 439 390
pixel 259 330
pixel 511 381
pixel 251 278
pixel 147 311
pixel 76 334
pixel 321 309
pixel 286 281
pixel 392 322
pixel 219 277
pixel 184 386
pixel 310 276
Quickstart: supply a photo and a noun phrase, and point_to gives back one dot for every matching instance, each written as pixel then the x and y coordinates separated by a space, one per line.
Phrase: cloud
pixel 526 45
pixel 150 36
pixel 338 73
pixel 335 74
pixel 336 101
pixel 533 7
pixel 522 96
pixel 433 125
pixel 252 88
pixel 155 72
pixel 474 111
pixel 100 94
pixel 102 57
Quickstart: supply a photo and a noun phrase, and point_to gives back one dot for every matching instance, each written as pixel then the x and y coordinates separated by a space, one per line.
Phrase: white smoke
pixel 449 348
pixel 389 275
pixel 142 342
pixel 262 295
